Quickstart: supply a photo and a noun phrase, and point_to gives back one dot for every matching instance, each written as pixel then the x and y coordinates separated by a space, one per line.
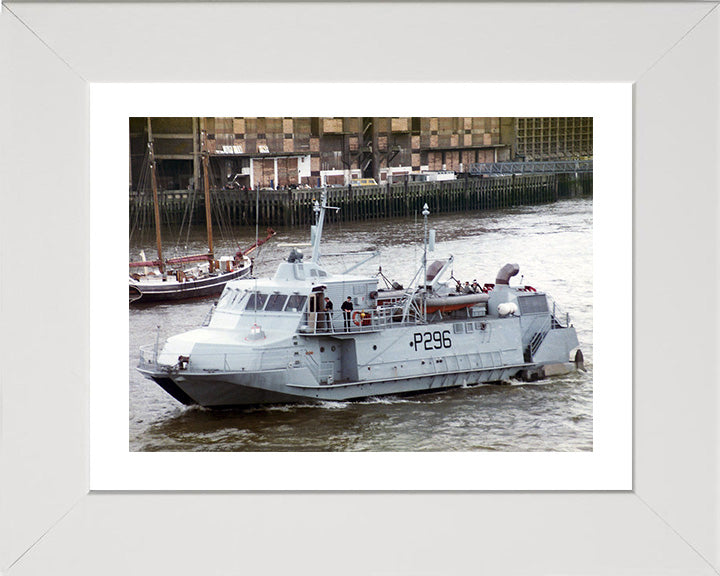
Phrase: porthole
pixel 374 347
pixel 322 348
pixel 332 348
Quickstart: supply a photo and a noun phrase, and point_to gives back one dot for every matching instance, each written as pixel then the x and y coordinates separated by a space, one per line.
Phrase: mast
pixel 153 179
pixel 425 213
pixel 319 209
pixel 208 211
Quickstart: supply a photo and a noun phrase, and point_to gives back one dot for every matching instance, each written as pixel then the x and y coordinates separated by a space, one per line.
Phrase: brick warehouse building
pixel 279 152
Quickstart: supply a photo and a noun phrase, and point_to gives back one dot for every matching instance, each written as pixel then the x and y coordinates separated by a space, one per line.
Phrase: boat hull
pixel 227 390
pixel 171 290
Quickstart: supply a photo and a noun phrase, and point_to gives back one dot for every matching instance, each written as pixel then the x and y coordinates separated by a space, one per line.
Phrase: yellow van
pixel 364 182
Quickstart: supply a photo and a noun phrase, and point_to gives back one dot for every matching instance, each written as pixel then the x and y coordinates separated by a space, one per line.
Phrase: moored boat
pixel 179 283
pixel 171 279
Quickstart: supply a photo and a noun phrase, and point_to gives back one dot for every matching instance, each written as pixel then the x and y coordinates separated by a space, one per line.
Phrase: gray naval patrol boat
pixel 272 341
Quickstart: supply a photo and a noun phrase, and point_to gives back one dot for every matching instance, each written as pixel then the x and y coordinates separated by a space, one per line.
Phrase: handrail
pixel 209 315
pixel 558 315
pixel 222 361
pixel 539 336
pixel 362 320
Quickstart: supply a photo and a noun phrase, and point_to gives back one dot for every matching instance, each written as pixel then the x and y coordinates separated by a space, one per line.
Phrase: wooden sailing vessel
pixel 171 279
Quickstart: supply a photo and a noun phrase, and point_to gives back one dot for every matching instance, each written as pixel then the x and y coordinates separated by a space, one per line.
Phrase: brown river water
pixel 552 243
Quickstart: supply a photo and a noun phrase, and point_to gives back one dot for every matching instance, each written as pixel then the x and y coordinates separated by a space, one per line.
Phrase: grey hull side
pixel 247 389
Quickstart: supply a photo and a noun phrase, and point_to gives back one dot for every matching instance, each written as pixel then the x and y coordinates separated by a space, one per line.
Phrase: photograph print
pixel 325 284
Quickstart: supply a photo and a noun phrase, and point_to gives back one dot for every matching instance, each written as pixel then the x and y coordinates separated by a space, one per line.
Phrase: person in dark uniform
pixel 328 313
pixel 347 308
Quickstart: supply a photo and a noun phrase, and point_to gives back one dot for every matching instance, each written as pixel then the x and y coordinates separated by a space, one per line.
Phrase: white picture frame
pixel 606 467
pixel 668 523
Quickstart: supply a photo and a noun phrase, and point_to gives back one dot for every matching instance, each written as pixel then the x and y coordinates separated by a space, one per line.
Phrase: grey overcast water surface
pixel 552 243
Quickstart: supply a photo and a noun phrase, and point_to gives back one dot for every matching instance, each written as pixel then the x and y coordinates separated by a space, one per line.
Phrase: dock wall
pixel 295 207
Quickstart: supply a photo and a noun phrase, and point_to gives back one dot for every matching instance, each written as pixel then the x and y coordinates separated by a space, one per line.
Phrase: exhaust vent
pixel 507 272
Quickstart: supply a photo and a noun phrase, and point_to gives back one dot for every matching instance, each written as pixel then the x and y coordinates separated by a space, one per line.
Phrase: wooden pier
pixel 295 207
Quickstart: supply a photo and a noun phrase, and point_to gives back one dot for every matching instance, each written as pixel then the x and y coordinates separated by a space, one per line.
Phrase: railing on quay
pixel 550 167
pixel 397 200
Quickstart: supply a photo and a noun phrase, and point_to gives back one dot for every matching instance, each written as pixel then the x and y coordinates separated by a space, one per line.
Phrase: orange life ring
pixel 355 317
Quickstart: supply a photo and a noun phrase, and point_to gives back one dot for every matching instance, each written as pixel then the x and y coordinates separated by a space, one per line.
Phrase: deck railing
pixel 561 318
pixel 251 360
pixel 357 321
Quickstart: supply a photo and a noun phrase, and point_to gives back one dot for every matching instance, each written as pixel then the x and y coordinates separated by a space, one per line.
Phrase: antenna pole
pixel 319 209
pixel 320 214
pixel 425 213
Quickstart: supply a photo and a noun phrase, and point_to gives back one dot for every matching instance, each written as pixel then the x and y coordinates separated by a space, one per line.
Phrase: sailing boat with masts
pixel 170 279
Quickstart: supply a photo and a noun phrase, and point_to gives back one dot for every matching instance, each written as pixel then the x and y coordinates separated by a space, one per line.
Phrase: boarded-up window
pixel 273 126
pixel 332 125
pixel 446 124
pixel 352 125
pixel 400 125
pixel 301 125
pixel 223 126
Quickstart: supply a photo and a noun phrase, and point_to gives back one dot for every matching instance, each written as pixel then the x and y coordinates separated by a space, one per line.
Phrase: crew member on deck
pixel 328 313
pixel 347 308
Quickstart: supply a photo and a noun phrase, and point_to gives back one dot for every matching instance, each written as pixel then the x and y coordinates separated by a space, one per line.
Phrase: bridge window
pixel 276 302
pixel 256 301
pixel 226 298
pixel 237 299
pixel 231 298
pixel 295 303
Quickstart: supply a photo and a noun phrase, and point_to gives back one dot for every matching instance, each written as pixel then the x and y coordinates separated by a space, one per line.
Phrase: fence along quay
pixel 294 207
